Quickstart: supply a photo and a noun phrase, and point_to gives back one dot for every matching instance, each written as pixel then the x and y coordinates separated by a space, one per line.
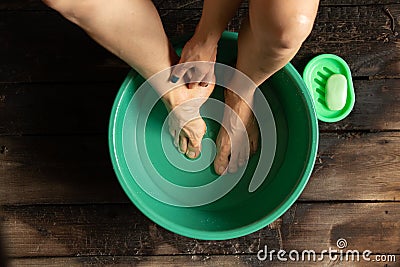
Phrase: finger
pixel 178 71
pixel 191 85
pixel 207 79
pixel 203 84
pixel 196 77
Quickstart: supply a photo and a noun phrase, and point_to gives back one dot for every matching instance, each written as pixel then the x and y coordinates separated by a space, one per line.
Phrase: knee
pixel 292 34
pixel 285 33
pixel 73 10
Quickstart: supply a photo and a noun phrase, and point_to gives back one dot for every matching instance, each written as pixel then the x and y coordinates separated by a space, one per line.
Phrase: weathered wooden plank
pixel 377 107
pixel 77 169
pixel 3 257
pixel 60 169
pixel 82 108
pixel 356 166
pixel 34 5
pixel 45 47
pixel 121 230
pixel 56 108
pixel 194 261
pixel 363 36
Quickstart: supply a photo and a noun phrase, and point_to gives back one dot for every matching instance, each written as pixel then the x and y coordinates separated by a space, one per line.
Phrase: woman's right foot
pixel 185 123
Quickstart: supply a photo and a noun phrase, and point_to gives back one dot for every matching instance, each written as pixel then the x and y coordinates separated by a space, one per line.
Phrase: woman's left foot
pixel 243 128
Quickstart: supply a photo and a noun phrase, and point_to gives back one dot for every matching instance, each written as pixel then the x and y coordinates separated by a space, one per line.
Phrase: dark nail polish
pixel 174 79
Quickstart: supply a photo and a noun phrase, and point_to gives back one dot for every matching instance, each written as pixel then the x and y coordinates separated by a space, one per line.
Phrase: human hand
pixel 196 49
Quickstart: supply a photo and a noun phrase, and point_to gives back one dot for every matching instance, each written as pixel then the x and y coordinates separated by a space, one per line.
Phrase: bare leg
pixel 269 39
pixel 132 30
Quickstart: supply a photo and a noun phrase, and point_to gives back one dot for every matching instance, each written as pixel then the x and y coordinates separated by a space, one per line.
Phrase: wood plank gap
pixel 94 134
pixel 359 131
pixel 347 201
pixel 359 5
pixel 72 82
pixel 362 78
pixel 164 255
pixel 129 204
pixel 387 77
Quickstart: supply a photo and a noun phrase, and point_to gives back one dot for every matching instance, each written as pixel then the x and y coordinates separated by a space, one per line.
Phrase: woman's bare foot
pixel 185 123
pixel 225 159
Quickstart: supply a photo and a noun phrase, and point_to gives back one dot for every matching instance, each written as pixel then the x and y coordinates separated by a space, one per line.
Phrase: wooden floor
pixel 61 204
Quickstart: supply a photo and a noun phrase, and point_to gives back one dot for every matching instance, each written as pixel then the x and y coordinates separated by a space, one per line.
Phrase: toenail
pixel 191 154
pixel 221 169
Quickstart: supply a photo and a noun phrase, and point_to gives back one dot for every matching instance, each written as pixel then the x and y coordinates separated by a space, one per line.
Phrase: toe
pixel 253 146
pixel 175 136
pixel 222 159
pixel 194 131
pixel 241 162
pixel 183 144
pixel 193 149
pixel 232 167
pixel 233 162
pixel 253 138
pixel 243 157
pixel 192 152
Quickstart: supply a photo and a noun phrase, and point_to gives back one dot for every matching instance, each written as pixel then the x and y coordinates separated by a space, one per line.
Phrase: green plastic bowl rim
pixel 227 234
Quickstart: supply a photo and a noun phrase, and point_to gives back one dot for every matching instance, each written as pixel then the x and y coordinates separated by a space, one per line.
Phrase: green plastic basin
pixel 239 212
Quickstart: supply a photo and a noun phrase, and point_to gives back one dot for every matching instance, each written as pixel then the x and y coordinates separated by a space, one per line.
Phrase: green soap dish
pixel 315 76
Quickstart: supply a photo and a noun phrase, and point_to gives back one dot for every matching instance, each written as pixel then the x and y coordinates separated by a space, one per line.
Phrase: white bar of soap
pixel 336 92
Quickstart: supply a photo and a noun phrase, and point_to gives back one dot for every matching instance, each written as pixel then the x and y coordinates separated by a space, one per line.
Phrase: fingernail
pixel 221 170
pixel 191 154
pixel 174 79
